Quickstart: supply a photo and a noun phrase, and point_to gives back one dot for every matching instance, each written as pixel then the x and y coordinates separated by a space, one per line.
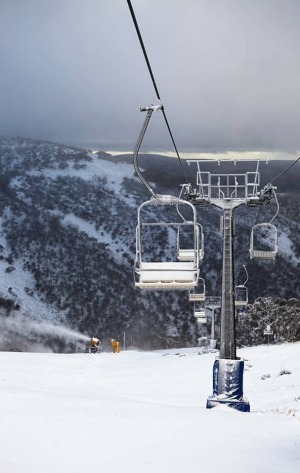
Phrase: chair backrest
pixel 263 241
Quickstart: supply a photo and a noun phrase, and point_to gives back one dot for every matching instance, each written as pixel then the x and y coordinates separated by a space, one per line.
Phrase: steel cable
pixel 154 84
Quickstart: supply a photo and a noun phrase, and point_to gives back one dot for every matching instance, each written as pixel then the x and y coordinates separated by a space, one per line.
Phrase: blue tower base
pixel 228 385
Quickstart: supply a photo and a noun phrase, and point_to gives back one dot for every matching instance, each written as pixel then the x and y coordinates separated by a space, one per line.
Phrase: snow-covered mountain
pixel 67 242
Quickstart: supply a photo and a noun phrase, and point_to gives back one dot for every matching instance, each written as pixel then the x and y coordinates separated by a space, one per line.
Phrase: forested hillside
pixel 68 220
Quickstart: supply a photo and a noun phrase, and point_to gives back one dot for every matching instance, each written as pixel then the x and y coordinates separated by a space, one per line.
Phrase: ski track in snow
pixel 145 412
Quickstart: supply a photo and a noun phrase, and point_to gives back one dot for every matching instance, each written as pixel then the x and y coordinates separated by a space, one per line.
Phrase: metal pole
pixel 124 341
pixel 213 324
pixel 228 343
pixel 228 369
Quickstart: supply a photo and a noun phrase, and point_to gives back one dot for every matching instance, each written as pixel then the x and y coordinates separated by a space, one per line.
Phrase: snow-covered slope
pixel 67 230
pixel 18 285
pixel 145 412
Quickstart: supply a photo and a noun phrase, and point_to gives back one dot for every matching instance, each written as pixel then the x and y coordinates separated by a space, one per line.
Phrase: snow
pixel 83 226
pixel 285 246
pixel 145 412
pixel 101 235
pixel 114 172
pixel 13 284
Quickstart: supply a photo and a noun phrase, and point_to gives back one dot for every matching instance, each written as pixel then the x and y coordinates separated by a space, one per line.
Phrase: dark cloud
pixel 228 72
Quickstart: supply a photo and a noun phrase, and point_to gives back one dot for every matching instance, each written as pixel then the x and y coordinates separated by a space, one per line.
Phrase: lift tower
pixel 227 192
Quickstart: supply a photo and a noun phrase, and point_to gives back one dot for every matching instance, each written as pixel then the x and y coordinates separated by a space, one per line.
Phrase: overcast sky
pixel 228 72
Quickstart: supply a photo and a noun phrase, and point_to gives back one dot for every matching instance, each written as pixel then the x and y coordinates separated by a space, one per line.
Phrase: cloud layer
pixel 228 72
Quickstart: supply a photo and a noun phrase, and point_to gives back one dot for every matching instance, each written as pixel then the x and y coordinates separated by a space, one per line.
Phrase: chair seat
pixel 167 275
pixel 262 254
pixel 196 297
pixel 186 255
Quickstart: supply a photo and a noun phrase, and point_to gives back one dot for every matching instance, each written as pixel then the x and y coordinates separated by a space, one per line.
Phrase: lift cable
pixel 154 83
pixel 285 170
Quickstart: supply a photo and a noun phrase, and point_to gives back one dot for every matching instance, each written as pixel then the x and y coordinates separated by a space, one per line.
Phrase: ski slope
pixel 141 412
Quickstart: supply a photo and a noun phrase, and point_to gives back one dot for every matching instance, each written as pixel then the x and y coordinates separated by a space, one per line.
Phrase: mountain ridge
pixel 68 218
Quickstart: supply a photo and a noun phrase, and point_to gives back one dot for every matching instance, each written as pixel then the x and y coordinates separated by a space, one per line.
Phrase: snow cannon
pixel 95 342
pixel 93 346
pixel 115 346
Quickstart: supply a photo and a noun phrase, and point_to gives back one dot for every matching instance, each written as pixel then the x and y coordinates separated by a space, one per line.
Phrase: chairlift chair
pixel 199 313
pixel 241 292
pixel 185 247
pixel 171 274
pixel 198 294
pixel 241 295
pixel 260 249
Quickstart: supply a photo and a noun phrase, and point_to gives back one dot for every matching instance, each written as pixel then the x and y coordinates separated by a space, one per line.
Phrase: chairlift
pixel 263 242
pixel 199 313
pixel 170 274
pixel 264 239
pixel 185 246
pixel 241 295
pixel 241 292
pixel 198 294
